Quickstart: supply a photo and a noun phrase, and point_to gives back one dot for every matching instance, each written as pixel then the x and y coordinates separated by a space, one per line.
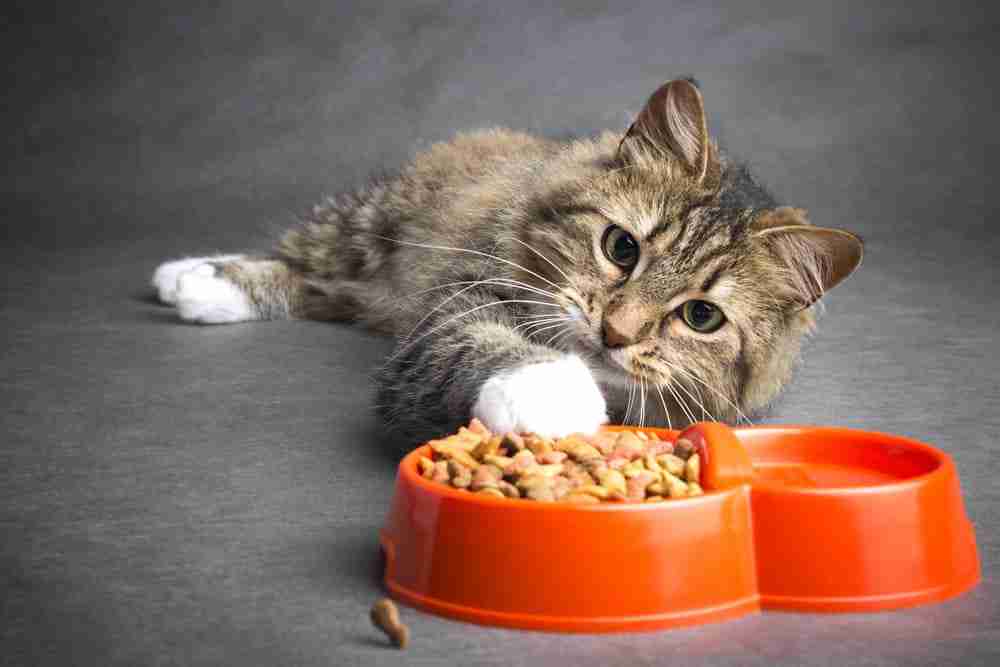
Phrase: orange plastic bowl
pixel 803 518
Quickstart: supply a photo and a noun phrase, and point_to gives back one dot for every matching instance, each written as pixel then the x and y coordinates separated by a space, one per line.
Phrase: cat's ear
pixel 673 124
pixel 817 258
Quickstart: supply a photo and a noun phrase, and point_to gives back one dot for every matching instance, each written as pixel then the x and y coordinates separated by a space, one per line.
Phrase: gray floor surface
pixel 174 494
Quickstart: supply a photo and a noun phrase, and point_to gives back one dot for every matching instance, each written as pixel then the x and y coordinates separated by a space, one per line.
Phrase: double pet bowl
pixel 793 518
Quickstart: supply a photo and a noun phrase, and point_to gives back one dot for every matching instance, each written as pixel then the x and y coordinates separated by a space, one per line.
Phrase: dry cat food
pixel 385 616
pixel 622 466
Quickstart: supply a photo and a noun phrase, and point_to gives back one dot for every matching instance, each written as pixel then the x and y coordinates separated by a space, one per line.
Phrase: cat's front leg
pixel 551 398
pixel 458 367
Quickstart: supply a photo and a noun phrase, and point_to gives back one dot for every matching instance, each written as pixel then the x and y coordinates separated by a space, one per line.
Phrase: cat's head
pixel 678 273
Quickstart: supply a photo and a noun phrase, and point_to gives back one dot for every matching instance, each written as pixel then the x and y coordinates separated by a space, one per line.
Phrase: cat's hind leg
pixel 230 288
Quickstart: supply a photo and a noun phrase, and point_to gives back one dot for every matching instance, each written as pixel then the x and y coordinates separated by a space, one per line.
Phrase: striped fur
pixel 483 255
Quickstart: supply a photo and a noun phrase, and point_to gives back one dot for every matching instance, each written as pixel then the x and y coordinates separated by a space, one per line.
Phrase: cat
pixel 551 286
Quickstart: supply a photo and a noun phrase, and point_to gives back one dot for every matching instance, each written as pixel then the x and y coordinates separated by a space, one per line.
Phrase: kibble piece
pixel 584 452
pixel 469 439
pixel 544 494
pixel 512 442
pixel 485 477
pixel 659 447
pixel 479 427
pixel 499 461
pixel 385 616
pixel 425 466
pixel 684 448
pixel 538 445
pixel 532 480
pixel 440 473
pixel 692 469
pixel 461 476
pixel 520 464
pixel 618 462
pixel 569 442
pixel 672 464
pixel 508 489
pixel 551 457
pixel 675 487
pixel 614 482
pixel 451 451
pixel 549 470
pixel 636 487
pixel 560 487
pixel 603 442
pixel 629 445
pixel 594 490
pixel 583 498
pixel 694 489
pixel 633 468
pixel 490 491
pixel 595 467
pixel 487 447
pixel 576 474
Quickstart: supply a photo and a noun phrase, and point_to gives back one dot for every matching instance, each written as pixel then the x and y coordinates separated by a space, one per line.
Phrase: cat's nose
pixel 619 332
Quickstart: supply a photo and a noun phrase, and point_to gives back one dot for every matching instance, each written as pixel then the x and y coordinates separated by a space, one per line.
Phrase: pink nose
pixel 615 338
pixel 619 332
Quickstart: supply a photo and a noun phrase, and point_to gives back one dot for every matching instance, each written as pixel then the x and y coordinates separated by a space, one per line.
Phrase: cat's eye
pixel 702 316
pixel 620 247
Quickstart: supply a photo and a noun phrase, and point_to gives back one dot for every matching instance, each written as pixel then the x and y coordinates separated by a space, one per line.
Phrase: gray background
pixel 171 494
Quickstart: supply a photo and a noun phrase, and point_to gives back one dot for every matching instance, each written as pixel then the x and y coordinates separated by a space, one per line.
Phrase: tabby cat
pixel 552 286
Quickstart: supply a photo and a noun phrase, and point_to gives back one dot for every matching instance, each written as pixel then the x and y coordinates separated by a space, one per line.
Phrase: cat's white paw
pixel 207 298
pixel 165 276
pixel 552 399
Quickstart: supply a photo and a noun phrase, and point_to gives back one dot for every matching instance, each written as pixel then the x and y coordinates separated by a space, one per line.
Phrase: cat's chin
pixel 607 365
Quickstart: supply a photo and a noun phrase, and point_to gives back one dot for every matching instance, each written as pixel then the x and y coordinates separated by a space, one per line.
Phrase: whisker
pixel 437 308
pixel 559 335
pixel 663 401
pixel 740 414
pixel 633 392
pixel 681 403
pixel 548 327
pixel 472 285
pixel 508 282
pixel 541 320
pixel 537 252
pixel 520 284
pixel 704 411
pixel 628 403
pixel 642 401
pixel 470 251
pixel 410 344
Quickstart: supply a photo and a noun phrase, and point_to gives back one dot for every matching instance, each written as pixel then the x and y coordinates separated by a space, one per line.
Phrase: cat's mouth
pixel 616 366
pixel 621 366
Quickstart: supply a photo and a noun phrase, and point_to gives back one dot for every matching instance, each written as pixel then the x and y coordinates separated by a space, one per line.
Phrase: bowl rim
pixel 943 463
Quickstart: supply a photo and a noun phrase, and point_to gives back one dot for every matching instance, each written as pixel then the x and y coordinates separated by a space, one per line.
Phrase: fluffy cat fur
pixel 487 258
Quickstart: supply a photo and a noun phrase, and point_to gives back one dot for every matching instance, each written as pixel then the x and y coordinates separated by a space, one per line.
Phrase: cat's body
pixel 544 285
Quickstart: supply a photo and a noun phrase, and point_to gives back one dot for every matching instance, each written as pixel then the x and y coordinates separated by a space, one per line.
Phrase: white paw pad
pixel 552 399
pixel 204 297
pixel 166 274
